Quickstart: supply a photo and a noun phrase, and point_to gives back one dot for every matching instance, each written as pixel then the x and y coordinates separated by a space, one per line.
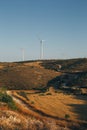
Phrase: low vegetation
pixel 67 116
pixel 23 94
pixel 8 99
pixel 65 110
pixel 67 65
pixel 55 96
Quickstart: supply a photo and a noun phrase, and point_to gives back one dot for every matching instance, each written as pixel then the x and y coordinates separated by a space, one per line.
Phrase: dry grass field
pixel 59 104
pixel 64 109
pixel 25 76
pixel 39 110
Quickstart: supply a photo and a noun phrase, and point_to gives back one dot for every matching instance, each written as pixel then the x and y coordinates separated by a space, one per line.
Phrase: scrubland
pixel 40 96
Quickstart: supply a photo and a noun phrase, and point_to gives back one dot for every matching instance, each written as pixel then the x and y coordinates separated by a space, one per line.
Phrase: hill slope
pixel 25 75
pixel 42 74
pixel 68 65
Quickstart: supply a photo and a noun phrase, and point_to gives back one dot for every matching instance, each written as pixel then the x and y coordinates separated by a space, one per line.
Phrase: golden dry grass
pixel 51 106
pixel 35 64
pixel 12 120
pixel 1 66
pixel 56 105
pixel 59 104
pixel 26 76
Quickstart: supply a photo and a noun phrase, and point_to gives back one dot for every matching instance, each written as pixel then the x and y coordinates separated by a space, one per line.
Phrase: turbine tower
pixel 41 49
pixel 23 55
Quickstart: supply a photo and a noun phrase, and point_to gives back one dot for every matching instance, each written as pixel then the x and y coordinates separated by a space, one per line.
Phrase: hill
pixel 25 75
pixel 67 65
pixel 62 106
pixel 68 75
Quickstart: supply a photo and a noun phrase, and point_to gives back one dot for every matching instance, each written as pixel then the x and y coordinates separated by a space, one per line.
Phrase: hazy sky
pixel 61 23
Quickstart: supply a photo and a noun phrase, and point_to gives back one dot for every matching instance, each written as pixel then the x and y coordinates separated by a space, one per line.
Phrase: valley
pixel 50 98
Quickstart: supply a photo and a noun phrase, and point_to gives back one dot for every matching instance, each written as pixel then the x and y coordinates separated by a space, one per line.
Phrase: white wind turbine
pixel 42 49
pixel 23 54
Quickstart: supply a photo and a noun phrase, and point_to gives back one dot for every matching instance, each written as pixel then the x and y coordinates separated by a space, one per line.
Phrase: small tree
pixel 8 99
pixel 67 116
pixel 3 90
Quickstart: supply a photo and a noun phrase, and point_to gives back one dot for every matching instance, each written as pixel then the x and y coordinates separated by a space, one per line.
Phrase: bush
pixel 12 105
pixel 8 99
pixel 67 116
pixel 32 102
pixel 3 89
pixel 5 98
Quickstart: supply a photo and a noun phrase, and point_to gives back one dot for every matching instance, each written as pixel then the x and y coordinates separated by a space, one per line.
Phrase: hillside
pixel 25 104
pixel 68 65
pixel 25 75
pixel 42 111
pixel 71 76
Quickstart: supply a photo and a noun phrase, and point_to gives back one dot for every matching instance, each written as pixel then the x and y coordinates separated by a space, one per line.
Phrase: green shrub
pixel 67 116
pixel 8 99
pixel 12 105
pixel 5 98
pixel 32 102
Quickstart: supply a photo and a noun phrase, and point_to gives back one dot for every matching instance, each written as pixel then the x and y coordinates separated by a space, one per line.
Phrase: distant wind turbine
pixel 23 54
pixel 41 49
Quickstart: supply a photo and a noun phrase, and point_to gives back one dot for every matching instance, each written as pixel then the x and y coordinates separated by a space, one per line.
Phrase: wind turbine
pixel 23 54
pixel 41 49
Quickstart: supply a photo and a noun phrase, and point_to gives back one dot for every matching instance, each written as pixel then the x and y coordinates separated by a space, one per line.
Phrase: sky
pixel 62 24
